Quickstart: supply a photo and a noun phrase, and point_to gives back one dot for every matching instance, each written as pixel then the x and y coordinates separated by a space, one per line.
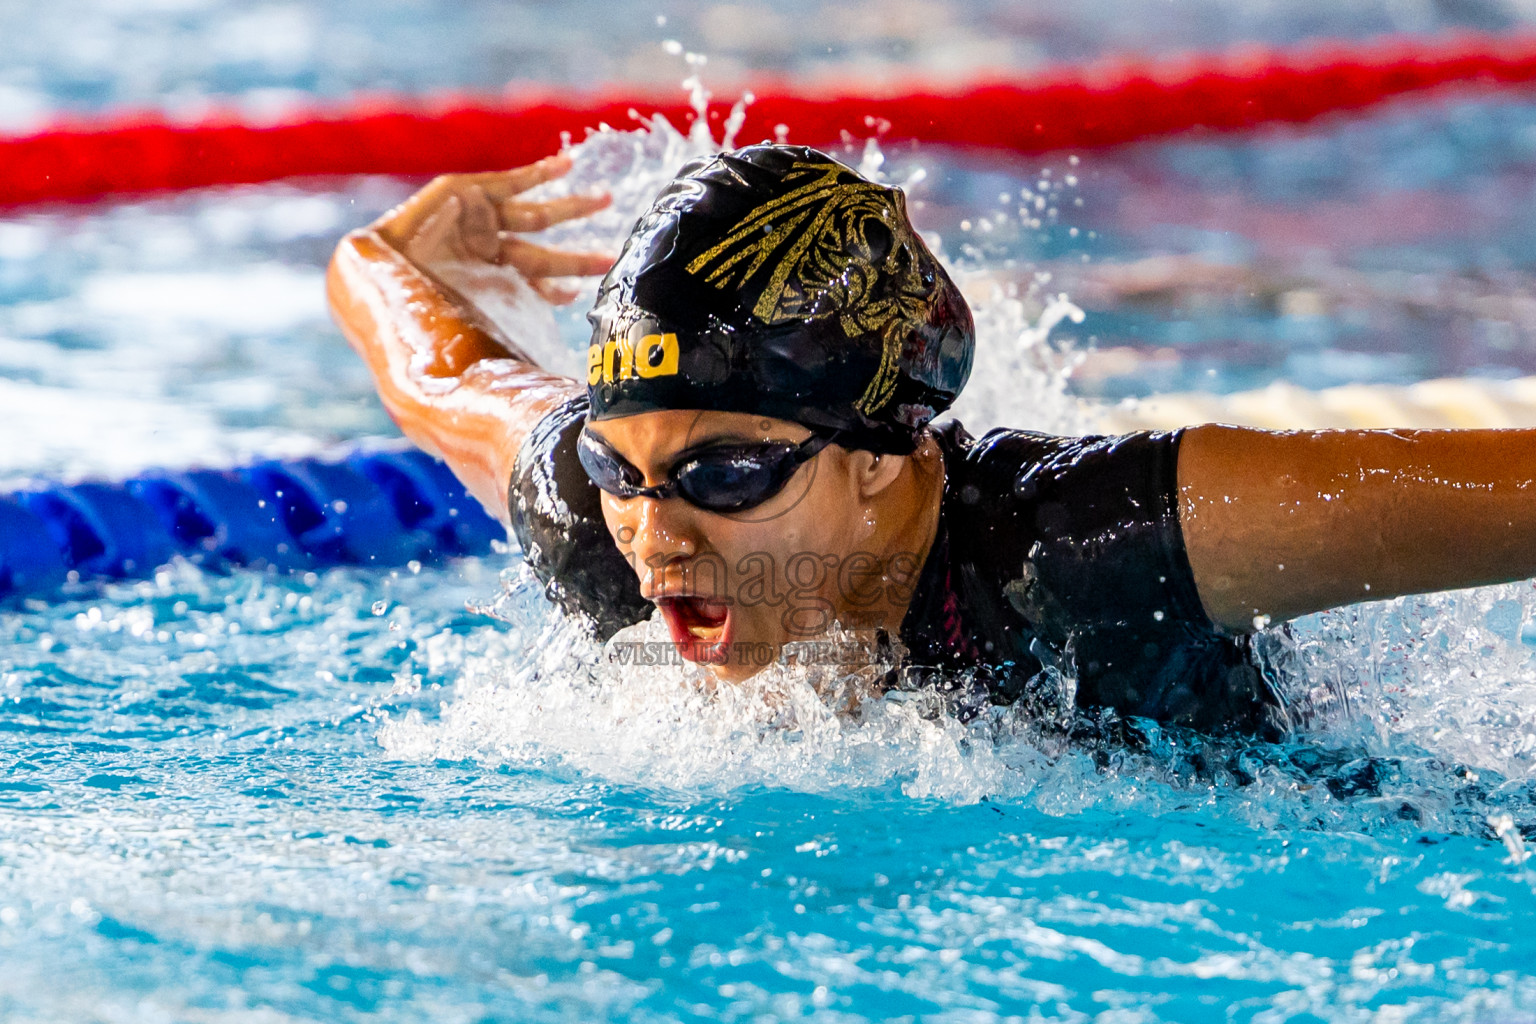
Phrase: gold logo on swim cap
pixel 622 358
pixel 811 248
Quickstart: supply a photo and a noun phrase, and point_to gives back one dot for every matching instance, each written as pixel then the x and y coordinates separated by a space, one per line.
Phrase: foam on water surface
pixel 202 825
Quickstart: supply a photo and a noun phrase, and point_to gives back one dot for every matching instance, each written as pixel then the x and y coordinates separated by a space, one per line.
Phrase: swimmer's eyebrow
pixel 725 439
pixel 726 436
pixel 734 437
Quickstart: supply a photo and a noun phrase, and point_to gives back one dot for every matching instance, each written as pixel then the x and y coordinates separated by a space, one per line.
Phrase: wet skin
pixel 1276 523
pixel 1284 523
pixel 841 542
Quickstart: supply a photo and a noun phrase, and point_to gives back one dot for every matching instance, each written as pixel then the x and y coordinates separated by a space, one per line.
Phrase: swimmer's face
pixel 735 587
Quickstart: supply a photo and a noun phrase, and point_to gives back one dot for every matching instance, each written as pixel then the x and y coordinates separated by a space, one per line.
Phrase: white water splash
pixel 543 697
pixel 552 698
pixel 1020 375
pixel 632 166
pixel 1453 674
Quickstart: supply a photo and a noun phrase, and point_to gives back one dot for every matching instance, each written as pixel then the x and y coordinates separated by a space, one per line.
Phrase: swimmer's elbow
pixel 342 292
pixel 335 276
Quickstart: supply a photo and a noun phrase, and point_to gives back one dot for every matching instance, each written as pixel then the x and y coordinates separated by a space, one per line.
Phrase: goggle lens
pixel 723 479
pixel 607 469
pixel 733 482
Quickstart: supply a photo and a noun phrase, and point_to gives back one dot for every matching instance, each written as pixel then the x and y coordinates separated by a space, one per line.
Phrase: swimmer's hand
pixel 475 219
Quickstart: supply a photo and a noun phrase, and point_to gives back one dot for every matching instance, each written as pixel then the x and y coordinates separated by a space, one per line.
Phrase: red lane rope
pixel 1067 108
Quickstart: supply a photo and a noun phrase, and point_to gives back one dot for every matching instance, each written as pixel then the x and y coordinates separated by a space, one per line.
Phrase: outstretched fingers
pixel 521 215
pixel 503 185
pixel 536 261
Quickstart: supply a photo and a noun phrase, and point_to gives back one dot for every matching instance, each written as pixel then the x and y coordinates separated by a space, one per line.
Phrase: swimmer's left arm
pixel 452 379
pixel 1281 524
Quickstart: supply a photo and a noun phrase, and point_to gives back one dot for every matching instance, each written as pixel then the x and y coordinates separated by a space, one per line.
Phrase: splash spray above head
pixel 775 280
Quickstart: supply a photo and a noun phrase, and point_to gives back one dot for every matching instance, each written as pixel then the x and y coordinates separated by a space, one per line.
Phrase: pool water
pixel 413 794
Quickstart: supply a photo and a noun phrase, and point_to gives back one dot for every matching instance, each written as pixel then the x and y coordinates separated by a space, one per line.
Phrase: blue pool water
pixel 411 795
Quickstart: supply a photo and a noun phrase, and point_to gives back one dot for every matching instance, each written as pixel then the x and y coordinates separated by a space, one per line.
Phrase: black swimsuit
pixel 1051 552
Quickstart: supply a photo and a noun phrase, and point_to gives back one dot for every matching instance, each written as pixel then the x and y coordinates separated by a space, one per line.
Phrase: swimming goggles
pixel 717 478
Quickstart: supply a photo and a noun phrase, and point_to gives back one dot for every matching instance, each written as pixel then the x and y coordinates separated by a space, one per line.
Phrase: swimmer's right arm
pixel 453 382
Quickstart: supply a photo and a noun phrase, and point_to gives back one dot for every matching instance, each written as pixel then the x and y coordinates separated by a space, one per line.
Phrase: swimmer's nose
pixel 658 538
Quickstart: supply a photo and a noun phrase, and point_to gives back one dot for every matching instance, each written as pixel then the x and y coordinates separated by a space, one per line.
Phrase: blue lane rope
pixel 374 508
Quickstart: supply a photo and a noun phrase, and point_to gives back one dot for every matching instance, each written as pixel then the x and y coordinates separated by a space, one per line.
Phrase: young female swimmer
pixel 753 453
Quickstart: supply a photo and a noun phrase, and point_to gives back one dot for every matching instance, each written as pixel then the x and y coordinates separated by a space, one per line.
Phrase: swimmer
pixel 753 453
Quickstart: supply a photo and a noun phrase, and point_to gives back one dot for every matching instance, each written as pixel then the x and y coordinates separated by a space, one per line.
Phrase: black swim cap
pixel 775 280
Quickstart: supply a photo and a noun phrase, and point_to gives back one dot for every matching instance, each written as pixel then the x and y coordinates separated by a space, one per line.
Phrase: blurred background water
pixel 403 795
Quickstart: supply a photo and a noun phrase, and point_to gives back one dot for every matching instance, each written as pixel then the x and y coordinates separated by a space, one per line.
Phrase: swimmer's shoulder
pixel 1089 521
pixel 557 518
pixel 1015 465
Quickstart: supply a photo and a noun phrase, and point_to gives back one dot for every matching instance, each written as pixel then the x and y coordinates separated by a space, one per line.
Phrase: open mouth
pixel 699 626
